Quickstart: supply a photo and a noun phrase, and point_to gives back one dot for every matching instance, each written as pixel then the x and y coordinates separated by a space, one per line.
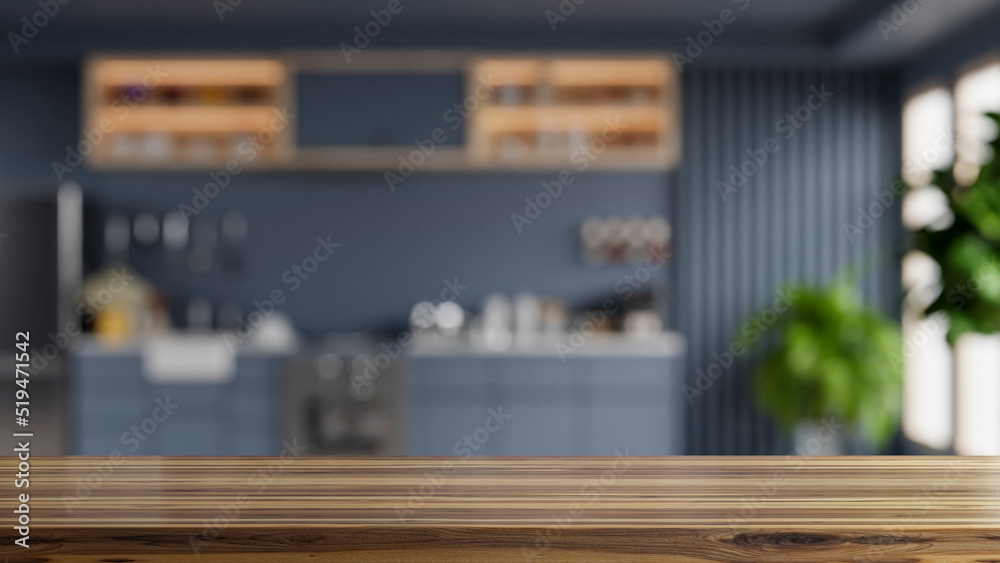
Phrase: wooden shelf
pixel 569 118
pixel 193 119
pixel 185 113
pixel 609 73
pixel 191 72
pixel 543 110
pixel 511 72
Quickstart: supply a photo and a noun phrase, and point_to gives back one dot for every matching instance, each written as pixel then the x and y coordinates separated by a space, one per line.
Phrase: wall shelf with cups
pixel 184 112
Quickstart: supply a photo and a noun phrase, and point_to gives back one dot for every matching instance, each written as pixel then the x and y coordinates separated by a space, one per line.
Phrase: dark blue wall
pixel 40 112
pixel 398 247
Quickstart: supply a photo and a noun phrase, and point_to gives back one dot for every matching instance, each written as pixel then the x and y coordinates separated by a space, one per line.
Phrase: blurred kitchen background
pixel 489 228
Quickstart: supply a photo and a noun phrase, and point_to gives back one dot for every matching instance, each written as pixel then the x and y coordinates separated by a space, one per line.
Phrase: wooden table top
pixel 637 509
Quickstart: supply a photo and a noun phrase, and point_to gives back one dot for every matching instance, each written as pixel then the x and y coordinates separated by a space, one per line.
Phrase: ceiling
pixel 847 29
pixel 786 13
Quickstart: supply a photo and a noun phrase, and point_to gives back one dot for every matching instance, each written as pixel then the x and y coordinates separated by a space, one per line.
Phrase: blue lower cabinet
pixel 103 435
pixel 632 430
pixel 116 408
pixel 585 406
pixel 253 445
pixel 257 433
pixel 539 429
pixel 256 387
pixel 462 430
pixel 190 435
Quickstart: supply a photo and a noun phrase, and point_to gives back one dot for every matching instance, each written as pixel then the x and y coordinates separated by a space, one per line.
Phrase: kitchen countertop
pixel 607 509
pixel 555 346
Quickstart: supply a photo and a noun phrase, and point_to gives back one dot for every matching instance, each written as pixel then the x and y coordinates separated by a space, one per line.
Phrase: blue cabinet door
pixel 540 396
pixel 461 430
pixel 632 430
pixel 585 406
pixel 539 429
pixel 115 408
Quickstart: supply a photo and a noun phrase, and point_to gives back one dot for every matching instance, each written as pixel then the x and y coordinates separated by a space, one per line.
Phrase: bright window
pixel 976 92
pixel 950 396
pixel 977 357
pixel 928 144
pixel 928 136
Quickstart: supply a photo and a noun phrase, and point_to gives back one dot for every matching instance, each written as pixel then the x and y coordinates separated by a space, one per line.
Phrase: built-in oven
pixel 345 396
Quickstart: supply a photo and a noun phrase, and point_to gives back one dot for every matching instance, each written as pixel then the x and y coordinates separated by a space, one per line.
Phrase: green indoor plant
pixel 968 249
pixel 829 355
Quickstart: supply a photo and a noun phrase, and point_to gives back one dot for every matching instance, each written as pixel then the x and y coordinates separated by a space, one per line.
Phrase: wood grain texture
pixel 625 509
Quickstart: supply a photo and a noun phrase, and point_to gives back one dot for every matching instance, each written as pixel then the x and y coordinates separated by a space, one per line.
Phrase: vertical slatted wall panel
pixel 785 223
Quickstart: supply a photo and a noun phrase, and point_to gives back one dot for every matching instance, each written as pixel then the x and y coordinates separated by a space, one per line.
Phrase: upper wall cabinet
pixel 390 111
pixel 618 113
pixel 185 113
